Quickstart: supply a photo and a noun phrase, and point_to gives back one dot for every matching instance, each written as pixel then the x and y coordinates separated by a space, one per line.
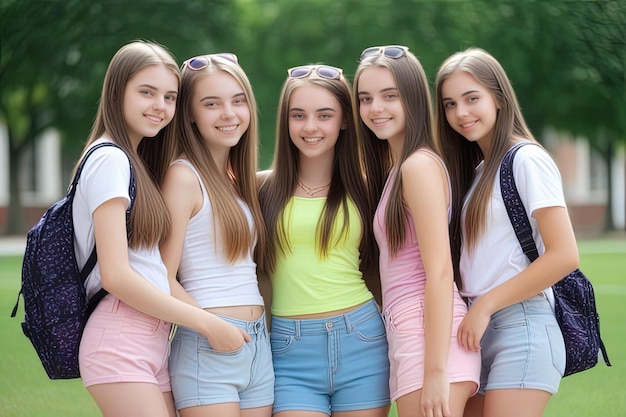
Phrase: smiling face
pixel 380 106
pixel 149 101
pixel 471 109
pixel 220 111
pixel 315 120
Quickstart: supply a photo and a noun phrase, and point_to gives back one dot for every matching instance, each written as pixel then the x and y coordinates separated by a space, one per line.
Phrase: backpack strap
pixel 514 206
pixel 518 216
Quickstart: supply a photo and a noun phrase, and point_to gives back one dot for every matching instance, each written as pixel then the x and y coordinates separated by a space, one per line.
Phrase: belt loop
pixel 346 318
pixel 297 329
pixel 386 315
pixel 116 305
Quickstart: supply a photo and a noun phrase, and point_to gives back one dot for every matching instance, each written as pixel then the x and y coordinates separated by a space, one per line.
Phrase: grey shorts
pixel 523 348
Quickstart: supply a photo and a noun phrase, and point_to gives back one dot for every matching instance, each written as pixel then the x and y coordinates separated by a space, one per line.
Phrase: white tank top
pixel 204 270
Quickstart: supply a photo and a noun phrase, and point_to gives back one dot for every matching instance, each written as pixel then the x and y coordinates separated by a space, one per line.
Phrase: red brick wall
pixel 587 219
pixel 31 215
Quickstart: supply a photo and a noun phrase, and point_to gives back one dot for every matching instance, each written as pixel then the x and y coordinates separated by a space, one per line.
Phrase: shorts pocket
pixel 206 348
pixel 557 347
pixel 509 317
pixel 90 344
pixel 371 329
pixel 280 343
pixel 141 324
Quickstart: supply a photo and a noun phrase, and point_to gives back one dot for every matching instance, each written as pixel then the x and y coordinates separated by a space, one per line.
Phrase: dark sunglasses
pixel 201 62
pixel 322 71
pixel 390 51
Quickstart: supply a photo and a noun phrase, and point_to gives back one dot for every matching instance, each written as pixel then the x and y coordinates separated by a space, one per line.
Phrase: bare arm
pixel 425 192
pixel 121 280
pixel 183 198
pixel 559 259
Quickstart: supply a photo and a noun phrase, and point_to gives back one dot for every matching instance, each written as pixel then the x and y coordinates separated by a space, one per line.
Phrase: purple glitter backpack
pixel 575 304
pixel 56 306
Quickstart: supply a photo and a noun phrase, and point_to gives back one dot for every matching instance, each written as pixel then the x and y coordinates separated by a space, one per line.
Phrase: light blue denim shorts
pixel 202 376
pixel 523 348
pixel 331 364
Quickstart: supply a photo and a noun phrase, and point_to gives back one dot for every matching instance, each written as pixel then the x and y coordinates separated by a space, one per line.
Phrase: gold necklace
pixel 311 191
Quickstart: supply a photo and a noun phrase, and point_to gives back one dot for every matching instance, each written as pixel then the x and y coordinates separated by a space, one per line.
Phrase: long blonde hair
pixel 242 163
pixel 463 156
pixel 347 179
pixel 149 220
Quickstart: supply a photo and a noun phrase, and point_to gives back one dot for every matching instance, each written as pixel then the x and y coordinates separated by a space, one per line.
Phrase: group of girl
pixel 377 225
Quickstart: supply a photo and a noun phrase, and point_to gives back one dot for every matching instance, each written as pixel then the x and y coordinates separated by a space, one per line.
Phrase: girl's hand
pixel 435 395
pixel 224 337
pixel 473 327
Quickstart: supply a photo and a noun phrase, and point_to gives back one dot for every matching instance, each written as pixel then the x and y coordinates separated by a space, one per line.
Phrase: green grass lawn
pixel 26 391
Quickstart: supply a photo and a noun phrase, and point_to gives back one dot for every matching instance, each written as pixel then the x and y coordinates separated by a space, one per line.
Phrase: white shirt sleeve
pixel 106 175
pixel 538 179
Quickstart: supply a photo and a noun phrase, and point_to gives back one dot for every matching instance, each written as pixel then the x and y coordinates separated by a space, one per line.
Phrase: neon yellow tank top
pixel 307 283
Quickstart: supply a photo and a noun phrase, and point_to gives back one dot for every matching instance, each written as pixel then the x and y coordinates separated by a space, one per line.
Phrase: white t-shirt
pixel 106 175
pixel 498 255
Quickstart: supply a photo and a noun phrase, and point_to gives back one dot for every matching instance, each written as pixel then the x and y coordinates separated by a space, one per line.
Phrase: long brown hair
pixel 242 164
pixel 462 156
pixel 149 220
pixel 414 93
pixel 347 179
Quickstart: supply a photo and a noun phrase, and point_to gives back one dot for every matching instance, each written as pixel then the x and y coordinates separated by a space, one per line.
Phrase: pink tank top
pixel 402 275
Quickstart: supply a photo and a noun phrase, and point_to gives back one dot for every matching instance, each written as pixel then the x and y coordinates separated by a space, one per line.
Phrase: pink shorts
pixel 121 344
pixel 404 323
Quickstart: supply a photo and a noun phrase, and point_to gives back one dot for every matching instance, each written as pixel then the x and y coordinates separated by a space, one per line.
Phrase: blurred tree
pixel 567 61
pixel 566 58
pixel 599 81
pixel 54 55
pixel 276 35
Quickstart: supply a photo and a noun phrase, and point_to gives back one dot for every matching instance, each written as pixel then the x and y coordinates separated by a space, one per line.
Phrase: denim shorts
pixel 331 364
pixel 203 376
pixel 523 348
pixel 121 344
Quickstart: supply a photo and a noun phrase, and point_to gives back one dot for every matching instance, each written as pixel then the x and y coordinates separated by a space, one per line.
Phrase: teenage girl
pixel 328 338
pixel 124 348
pixel 211 193
pixel 510 320
pixel 431 374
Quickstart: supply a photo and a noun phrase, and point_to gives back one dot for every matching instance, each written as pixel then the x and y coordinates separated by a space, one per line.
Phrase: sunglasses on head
pixel 322 71
pixel 201 62
pixel 390 51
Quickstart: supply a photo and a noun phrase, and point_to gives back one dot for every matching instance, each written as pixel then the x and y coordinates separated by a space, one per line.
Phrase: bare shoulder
pixel 421 162
pixel 424 174
pixel 180 176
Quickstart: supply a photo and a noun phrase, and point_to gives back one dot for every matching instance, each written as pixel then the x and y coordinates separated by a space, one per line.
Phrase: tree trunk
pixel 608 159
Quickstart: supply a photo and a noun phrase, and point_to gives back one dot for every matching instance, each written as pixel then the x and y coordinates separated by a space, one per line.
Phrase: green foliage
pixel 566 59
pixel 55 54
